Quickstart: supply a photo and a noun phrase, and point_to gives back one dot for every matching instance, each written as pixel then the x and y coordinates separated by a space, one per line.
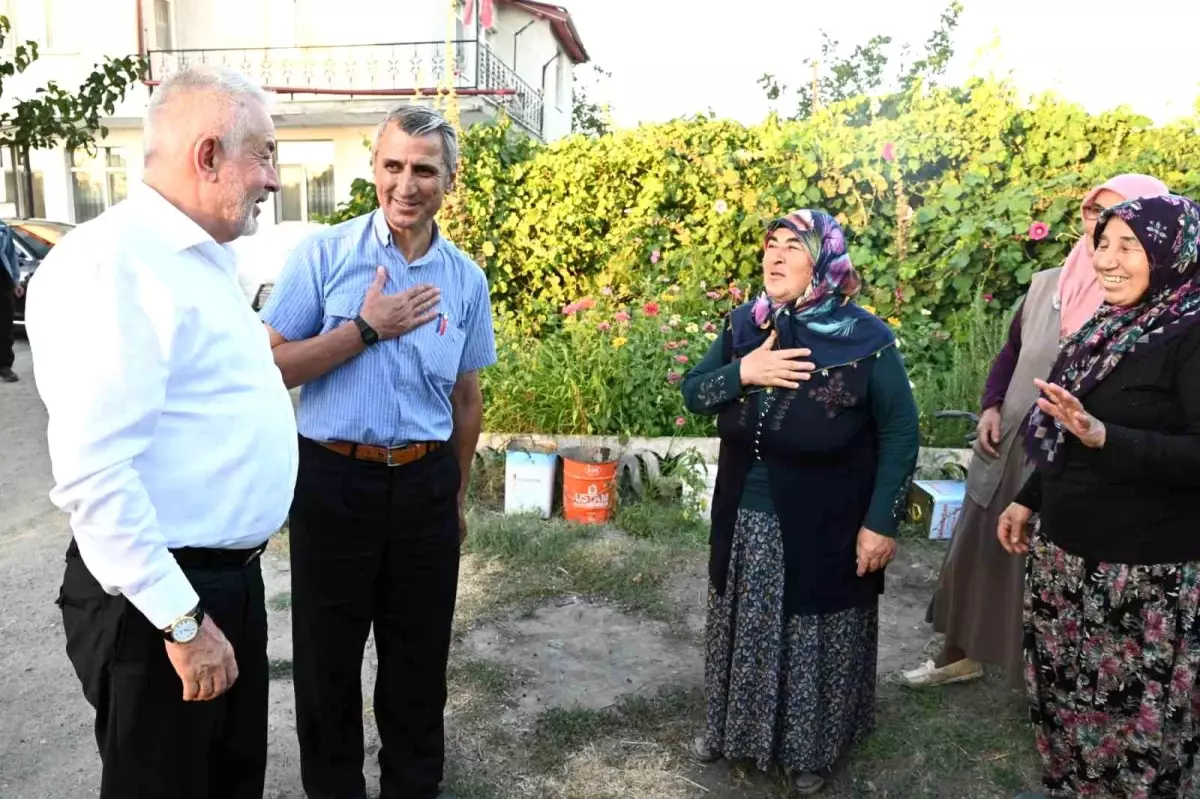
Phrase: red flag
pixel 468 12
pixel 485 12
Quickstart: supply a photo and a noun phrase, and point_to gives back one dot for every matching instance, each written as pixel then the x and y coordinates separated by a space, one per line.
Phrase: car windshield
pixel 39 237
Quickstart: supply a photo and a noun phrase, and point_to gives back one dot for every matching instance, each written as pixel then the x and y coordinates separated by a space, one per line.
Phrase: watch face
pixel 185 630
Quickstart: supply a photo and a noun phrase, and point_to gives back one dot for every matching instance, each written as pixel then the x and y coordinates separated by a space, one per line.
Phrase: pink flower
pixel 681 343
pixel 713 295
pixel 681 359
pixel 889 152
pixel 709 327
pixel 586 304
pixel 606 291
pixel 988 297
pixel 664 329
pixel 674 377
pixel 680 421
pixel 654 256
pixel 621 316
pixel 650 309
pixel 735 292
pixel 570 309
pixel 603 327
pixel 1039 231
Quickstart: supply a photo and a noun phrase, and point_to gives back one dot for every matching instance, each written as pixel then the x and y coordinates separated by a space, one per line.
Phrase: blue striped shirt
pixel 395 391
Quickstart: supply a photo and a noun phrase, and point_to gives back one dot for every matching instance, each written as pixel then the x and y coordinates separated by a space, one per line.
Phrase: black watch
pixel 185 629
pixel 368 333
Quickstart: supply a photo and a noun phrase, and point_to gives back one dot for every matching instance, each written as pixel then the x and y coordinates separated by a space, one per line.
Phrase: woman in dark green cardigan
pixel 819 441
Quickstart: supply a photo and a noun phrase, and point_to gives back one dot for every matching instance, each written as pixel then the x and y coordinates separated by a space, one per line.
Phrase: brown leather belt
pixel 392 456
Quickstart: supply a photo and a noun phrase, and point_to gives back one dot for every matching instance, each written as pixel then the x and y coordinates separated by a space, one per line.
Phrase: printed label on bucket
pixel 594 498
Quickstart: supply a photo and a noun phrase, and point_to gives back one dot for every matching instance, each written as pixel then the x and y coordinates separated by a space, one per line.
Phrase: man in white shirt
pixel 174 450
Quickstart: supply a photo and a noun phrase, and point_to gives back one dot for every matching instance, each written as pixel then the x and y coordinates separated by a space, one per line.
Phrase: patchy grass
pixel 521 560
pixel 280 601
pixel 279 669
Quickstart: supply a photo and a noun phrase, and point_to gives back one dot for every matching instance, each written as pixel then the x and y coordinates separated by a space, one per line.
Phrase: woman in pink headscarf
pixel 979 598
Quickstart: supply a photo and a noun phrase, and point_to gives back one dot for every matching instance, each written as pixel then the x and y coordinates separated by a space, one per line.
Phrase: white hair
pixel 417 120
pixel 233 89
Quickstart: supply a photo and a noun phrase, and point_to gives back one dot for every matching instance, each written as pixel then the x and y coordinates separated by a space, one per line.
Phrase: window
pixel 164 38
pixel 14 186
pixel 97 182
pixel 306 187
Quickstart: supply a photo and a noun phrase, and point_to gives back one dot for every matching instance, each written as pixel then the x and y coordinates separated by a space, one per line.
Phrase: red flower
pixel 988 298
pixel 1039 231
pixel 650 309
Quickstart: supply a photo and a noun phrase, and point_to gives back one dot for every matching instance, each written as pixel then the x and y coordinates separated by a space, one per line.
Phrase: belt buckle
pixel 254 554
pixel 390 450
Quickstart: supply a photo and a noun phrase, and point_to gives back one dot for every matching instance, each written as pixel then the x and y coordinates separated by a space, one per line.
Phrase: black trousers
pixel 153 744
pixel 372 545
pixel 7 305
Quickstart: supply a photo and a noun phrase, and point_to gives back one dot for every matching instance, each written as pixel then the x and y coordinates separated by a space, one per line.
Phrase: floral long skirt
pixel 1112 656
pixel 797 691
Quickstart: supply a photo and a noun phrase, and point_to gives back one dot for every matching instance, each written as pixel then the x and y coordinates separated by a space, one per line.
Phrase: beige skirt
pixel 980 594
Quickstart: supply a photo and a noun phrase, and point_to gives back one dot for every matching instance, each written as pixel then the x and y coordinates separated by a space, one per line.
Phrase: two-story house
pixel 335 66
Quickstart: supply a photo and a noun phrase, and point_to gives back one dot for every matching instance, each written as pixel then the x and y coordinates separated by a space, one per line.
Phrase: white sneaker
pixel 930 675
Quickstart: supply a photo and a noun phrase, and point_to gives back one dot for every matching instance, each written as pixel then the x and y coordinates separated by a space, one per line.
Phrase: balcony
pixel 371 70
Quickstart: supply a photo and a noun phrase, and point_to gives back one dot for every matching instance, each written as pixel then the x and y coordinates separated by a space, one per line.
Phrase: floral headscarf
pixel 824 319
pixel 1168 228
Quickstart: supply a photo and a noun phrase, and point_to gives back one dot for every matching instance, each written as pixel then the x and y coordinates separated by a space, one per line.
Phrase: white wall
pixel 531 48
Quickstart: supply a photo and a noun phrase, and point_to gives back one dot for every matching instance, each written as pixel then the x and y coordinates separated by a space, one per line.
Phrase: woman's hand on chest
pixel 771 368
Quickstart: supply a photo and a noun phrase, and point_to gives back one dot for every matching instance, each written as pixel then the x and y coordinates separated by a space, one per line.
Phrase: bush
pixel 937 190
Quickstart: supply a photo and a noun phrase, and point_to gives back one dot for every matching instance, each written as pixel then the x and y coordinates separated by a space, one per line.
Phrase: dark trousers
pixel 7 305
pixel 153 744
pixel 372 545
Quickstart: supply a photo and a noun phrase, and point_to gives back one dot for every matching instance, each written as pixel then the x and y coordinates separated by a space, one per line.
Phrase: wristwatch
pixel 368 333
pixel 184 629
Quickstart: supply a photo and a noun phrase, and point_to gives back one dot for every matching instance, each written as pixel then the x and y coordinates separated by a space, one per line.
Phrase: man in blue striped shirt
pixel 386 325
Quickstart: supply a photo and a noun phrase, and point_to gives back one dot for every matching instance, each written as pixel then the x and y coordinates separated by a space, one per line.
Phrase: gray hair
pixel 232 88
pixel 417 120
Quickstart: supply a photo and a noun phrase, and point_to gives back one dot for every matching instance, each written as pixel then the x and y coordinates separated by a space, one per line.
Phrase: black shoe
pixel 8 376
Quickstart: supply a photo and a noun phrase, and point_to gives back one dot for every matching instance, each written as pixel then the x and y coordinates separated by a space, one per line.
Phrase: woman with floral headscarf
pixel 819 439
pixel 1112 604
pixel 977 606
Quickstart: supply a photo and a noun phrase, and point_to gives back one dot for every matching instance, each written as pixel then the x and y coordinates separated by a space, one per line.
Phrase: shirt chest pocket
pixel 440 350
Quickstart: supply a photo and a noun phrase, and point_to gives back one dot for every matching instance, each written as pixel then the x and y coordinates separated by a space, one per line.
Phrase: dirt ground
pixel 574 697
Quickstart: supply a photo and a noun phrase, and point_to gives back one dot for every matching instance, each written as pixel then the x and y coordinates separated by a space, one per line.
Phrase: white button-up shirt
pixel 169 422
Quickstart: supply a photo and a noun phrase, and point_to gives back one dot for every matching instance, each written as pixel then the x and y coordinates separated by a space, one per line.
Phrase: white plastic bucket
pixel 529 473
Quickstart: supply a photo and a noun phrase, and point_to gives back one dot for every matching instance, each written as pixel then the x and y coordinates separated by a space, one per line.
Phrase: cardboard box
pixel 935 505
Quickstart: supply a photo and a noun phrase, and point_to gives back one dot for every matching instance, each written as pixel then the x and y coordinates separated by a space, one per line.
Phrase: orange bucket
pixel 589 484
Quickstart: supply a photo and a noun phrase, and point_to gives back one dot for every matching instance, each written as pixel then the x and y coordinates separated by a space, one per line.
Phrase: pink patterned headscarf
pixel 1079 293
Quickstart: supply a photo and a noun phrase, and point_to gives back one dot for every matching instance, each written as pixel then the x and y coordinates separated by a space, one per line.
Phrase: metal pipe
pixel 515 35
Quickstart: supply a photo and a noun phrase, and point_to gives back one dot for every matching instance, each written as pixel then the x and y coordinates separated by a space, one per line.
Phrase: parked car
pixel 260 257
pixel 33 238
